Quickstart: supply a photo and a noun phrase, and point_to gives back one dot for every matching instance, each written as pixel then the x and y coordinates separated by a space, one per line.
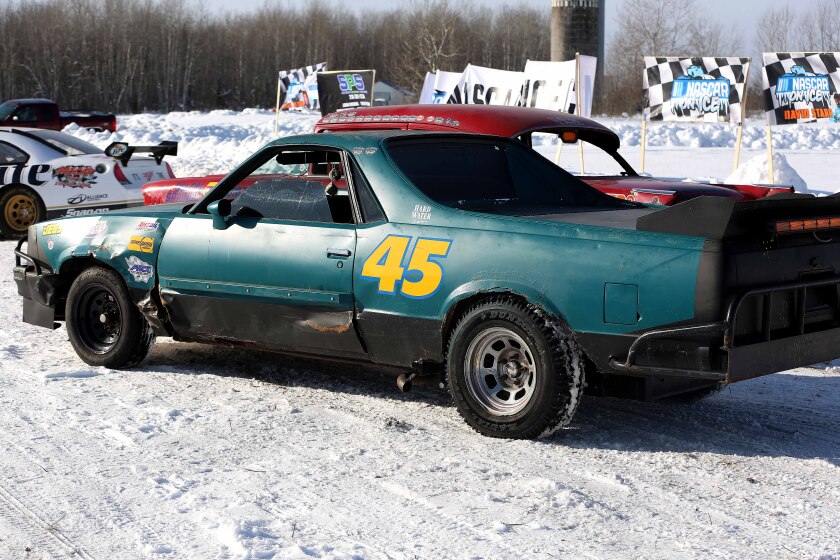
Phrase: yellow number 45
pixel 420 279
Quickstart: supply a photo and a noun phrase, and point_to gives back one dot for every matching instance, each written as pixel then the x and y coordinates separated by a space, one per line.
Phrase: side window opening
pixel 295 185
pixel 11 155
pixel 369 206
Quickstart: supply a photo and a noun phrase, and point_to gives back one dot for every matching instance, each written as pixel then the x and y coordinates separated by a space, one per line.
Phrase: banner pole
pixel 740 136
pixel 770 155
pixel 277 107
pixel 579 109
pixel 644 143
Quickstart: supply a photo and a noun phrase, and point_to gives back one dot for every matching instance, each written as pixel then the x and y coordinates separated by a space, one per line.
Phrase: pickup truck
pixel 43 113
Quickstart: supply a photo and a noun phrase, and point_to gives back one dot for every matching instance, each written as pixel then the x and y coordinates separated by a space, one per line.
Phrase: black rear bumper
pixel 767 329
pixel 38 285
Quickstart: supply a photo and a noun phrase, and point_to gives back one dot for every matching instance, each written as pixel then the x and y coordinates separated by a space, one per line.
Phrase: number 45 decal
pixel 420 279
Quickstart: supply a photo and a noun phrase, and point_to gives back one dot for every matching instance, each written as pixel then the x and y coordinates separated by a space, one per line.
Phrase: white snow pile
pixel 208 142
pixel 817 136
pixel 756 171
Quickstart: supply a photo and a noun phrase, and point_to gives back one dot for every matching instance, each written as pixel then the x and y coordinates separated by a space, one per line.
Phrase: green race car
pixel 469 259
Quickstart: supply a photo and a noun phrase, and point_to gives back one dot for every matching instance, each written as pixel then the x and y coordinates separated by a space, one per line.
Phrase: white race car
pixel 46 174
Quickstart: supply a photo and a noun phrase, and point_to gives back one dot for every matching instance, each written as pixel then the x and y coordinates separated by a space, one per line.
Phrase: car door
pixel 279 272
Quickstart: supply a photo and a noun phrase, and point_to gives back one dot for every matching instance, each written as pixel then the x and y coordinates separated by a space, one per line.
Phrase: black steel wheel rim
pixel 98 318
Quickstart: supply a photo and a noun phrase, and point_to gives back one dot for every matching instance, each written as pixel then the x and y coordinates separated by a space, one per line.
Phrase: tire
pixel 105 327
pixel 513 372
pixel 20 207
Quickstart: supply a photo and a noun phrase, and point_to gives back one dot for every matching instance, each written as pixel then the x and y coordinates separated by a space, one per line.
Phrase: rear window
pixel 69 145
pixel 496 176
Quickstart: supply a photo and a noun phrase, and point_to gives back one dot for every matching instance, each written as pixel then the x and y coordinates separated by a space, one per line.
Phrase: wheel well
pixel 461 307
pixel 69 271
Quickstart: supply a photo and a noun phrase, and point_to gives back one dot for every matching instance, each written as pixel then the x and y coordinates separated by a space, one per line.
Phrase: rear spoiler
pixel 724 218
pixel 122 152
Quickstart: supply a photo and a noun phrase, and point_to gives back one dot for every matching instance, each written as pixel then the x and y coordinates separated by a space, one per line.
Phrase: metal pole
pixel 770 155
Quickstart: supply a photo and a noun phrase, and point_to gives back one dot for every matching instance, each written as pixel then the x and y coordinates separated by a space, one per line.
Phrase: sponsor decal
pixel 188 192
pixel 85 211
pixel 420 278
pixel 700 92
pixel 51 229
pixel 370 151
pixel 799 86
pixel 98 228
pixel 29 174
pixel 50 244
pixel 75 176
pixel 117 149
pixel 141 244
pixel 421 214
pixel 147 225
pixel 149 175
pixel 79 198
pixel 139 269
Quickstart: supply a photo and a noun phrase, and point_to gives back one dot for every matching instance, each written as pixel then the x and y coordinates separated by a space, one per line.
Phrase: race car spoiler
pixel 122 152
pixel 727 218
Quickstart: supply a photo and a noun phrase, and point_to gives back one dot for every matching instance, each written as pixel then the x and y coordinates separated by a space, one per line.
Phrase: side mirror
pixel 220 210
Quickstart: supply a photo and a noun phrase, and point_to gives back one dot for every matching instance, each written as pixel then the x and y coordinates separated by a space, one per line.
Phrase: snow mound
pixel 757 172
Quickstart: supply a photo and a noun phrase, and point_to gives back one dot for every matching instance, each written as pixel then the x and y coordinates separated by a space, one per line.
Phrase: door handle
pixel 342 253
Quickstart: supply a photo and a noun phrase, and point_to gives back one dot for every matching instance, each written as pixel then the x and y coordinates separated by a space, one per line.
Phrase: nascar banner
pixel 706 89
pixel 299 87
pixel 487 86
pixel 346 89
pixel 428 91
pixel 445 84
pixel 552 85
pixel 801 87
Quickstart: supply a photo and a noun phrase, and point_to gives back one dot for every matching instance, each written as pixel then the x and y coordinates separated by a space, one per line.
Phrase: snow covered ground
pixel 204 452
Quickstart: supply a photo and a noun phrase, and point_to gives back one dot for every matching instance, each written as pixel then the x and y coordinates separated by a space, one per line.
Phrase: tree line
pixel 131 56
pixel 165 55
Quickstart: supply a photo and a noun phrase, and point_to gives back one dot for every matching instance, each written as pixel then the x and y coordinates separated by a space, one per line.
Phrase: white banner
pixel 445 84
pixel 487 86
pixel 427 96
pixel 551 85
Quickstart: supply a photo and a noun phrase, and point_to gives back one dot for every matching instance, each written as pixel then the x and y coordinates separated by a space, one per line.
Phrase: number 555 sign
pixel 351 83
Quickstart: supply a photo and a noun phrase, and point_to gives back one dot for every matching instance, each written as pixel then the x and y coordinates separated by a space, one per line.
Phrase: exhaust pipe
pixel 404 381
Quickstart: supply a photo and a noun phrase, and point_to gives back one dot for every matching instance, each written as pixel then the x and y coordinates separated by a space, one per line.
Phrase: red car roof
pixel 484 119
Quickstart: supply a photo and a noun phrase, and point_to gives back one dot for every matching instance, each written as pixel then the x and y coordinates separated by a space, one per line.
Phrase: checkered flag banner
pixel 801 87
pixel 707 89
pixel 298 75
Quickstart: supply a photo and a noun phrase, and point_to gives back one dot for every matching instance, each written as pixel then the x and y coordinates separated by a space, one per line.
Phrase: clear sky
pixel 742 13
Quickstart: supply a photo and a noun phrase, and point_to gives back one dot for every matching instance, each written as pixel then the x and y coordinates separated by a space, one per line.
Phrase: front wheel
pixel 513 371
pixel 104 325
pixel 20 207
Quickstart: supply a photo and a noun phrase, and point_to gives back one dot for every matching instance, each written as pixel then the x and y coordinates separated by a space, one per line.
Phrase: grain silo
pixel 577 26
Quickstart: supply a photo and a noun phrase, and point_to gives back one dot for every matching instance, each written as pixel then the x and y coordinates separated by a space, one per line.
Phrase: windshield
pixel 6 110
pixel 493 176
pixel 70 145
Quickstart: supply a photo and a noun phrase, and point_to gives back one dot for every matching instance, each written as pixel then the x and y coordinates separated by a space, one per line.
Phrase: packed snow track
pixel 205 452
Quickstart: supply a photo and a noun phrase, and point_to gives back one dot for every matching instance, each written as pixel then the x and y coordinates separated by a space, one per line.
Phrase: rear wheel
pixel 20 207
pixel 513 372
pixel 104 325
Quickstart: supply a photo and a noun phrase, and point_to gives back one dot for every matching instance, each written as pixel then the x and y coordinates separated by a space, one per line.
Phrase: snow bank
pixel 208 142
pixel 817 136
pixel 756 171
